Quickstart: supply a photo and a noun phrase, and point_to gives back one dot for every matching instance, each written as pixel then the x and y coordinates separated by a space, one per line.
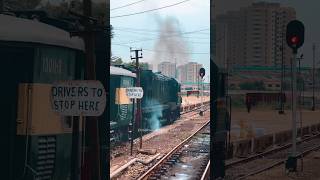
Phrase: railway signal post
pixel 202 72
pixel 295 39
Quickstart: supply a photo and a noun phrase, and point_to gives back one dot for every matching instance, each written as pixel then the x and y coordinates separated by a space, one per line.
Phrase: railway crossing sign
pixel 134 92
pixel 78 98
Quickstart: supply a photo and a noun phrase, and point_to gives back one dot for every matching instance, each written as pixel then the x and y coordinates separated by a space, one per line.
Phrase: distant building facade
pixel 189 73
pixel 253 36
pixel 167 68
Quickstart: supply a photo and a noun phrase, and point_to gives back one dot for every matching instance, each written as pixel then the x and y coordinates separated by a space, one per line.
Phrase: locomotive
pixel 160 104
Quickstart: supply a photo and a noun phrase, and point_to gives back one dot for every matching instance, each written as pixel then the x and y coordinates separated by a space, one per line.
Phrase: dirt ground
pixel 261 121
pixel 311 170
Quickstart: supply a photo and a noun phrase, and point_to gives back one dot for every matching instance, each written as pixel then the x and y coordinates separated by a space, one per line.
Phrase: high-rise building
pixel 167 68
pixel 189 73
pixel 253 36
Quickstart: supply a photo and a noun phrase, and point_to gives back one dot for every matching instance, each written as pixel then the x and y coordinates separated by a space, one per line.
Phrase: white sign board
pixel 75 98
pixel 134 92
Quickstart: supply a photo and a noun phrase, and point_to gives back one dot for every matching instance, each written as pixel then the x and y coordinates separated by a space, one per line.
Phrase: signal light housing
pixel 295 35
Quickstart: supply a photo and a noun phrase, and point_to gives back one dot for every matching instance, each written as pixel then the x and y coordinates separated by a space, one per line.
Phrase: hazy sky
pixel 307 11
pixel 189 16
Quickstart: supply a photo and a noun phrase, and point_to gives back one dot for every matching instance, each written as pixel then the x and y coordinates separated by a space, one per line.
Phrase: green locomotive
pixel 161 101
pixel 160 104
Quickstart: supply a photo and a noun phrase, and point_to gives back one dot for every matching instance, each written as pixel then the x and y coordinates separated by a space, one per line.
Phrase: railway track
pixel 196 109
pixel 243 168
pixel 188 160
pixel 190 113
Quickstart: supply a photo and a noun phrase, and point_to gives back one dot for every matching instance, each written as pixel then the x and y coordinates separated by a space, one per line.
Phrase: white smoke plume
pixel 154 120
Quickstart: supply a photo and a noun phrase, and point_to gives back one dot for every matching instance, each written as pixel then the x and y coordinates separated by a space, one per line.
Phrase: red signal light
pixel 294 40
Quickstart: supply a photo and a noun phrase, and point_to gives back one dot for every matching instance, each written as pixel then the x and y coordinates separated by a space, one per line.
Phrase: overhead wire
pixel 150 10
pixel 163 50
pixel 130 4
pixel 153 33
pixel 169 36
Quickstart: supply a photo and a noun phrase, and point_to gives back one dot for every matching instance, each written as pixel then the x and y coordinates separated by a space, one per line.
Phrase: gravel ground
pixel 162 140
pixel 311 164
pixel 193 100
pixel 266 121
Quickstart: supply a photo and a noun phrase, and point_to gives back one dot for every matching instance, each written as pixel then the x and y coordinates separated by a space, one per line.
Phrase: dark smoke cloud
pixel 171 41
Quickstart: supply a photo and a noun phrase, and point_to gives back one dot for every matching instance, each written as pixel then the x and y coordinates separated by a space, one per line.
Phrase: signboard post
pixel 78 98
pixel 134 93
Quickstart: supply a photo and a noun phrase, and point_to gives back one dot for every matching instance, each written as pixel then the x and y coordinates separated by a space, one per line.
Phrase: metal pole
pixel 93 153
pixel 294 104
pixel 300 98
pixel 202 83
pixel 131 128
pixel 138 114
pixel 313 83
pixel 282 79
pixel 76 153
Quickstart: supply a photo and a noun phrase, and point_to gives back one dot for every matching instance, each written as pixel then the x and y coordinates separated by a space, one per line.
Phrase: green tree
pixel 116 61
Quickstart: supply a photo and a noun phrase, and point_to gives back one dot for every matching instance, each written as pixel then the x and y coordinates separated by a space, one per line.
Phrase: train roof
pixel 26 30
pixel 121 72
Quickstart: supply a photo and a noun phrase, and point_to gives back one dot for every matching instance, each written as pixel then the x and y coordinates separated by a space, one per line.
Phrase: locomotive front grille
pixel 46 157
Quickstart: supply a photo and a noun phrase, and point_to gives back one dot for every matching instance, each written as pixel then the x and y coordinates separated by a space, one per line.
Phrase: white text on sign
pixel 134 92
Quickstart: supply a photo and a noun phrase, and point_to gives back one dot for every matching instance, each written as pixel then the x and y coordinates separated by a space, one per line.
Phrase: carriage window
pixel 127 81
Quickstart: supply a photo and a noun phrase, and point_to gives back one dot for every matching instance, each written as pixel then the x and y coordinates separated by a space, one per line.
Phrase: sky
pixel 306 11
pixel 190 20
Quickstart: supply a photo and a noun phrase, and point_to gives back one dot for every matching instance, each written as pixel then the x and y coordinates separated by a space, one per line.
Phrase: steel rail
pixel 206 172
pixel 153 169
pixel 263 154
pixel 270 152
pixel 300 155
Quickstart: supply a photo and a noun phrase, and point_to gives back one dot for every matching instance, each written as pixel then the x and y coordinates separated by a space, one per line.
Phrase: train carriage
pixel 36 142
pixel 121 107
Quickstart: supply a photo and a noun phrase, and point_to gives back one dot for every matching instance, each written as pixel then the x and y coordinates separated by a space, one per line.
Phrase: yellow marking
pixel 121 96
pixel 42 119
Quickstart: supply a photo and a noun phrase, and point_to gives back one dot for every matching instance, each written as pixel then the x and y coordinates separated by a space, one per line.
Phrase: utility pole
pixel 138 113
pixel 92 152
pixel 313 82
pixel 91 168
pixel 1 6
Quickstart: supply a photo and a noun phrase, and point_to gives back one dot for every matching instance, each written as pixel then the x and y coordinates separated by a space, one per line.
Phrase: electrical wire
pixel 169 36
pixel 146 30
pixel 163 51
pixel 127 5
pixel 163 7
pixel 154 33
